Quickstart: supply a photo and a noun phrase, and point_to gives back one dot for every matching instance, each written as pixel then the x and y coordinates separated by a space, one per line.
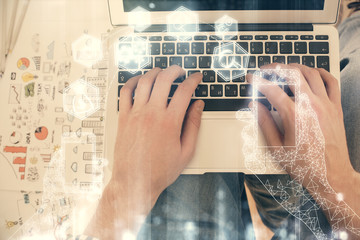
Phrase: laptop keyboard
pixel 225 88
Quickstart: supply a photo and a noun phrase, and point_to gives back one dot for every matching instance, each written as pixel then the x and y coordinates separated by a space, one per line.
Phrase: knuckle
pixel 126 90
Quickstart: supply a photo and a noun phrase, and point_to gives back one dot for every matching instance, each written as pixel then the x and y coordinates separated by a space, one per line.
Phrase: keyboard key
pixel 288 91
pixel 215 37
pixel 224 104
pixel 261 37
pixel 322 37
pixel 208 76
pixel 323 62
pixel 168 48
pixel 146 63
pixel 231 90
pixel 204 62
pixel 219 62
pixel 192 72
pixel 244 48
pixel 190 62
pixel 291 37
pixel 216 90
pixel 180 79
pixel 183 48
pixel 155 38
pixel 230 37
pixel 223 76
pixel 293 59
pixel 210 46
pixel 319 47
pixel 124 76
pixel 286 47
pixel 238 76
pixel 276 37
pixel 308 61
pixel 125 39
pixel 172 90
pixel 176 61
pixel 201 91
pixel 245 90
pixel 256 47
pixel 252 61
pixel 279 59
pixel 170 38
pixel 227 48
pixel 300 47
pixel 271 48
pixel 263 60
pixel 246 37
pixel 154 48
pixel 266 103
pixel 306 37
pixel 234 61
pixel 197 48
pixel 119 88
pixel 200 38
pixel 161 62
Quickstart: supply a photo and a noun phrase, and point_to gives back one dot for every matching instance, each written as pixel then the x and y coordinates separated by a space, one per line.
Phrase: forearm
pixel 120 212
pixel 339 197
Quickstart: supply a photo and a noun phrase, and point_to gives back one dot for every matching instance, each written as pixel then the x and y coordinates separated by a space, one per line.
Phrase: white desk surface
pixel 49 29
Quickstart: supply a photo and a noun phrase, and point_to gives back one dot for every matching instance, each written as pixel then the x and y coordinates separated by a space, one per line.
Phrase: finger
pixel 332 86
pixel 144 86
pixel 182 96
pixel 272 92
pixel 161 90
pixel 126 94
pixel 277 97
pixel 313 78
pixel 292 74
pixel 268 126
pixel 190 130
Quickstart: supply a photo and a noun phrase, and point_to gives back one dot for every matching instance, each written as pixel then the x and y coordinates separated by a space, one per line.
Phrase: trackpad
pixel 219 146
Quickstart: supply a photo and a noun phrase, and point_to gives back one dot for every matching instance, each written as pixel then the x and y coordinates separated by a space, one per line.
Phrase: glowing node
pixel 81 99
pixel 340 197
pixel 189 226
pixel 343 235
pixel 182 22
pixel 132 55
pixel 87 50
pixel 127 235
pixel 151 5
pixel 226 24
pixel 140 18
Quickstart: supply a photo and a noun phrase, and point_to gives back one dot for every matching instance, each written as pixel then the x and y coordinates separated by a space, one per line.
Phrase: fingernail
pixel 200 106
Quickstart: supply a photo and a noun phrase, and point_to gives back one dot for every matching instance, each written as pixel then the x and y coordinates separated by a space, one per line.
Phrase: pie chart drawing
pixel 23 63
pixel 41 133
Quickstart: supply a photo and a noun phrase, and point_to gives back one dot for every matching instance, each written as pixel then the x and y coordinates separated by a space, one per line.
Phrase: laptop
pixel 224 40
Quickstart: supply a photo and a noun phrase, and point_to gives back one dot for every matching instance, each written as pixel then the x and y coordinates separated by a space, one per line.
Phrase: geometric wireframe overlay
pixel 227 57
pixel 305 159
pixel 140 18
pixel 226 25
pixel 87 50
pixel 132 53
pixel 183 23
pixel 81 99
pixel 60 212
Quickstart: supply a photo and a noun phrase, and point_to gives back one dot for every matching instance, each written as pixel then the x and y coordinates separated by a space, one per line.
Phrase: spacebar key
pixel 224 104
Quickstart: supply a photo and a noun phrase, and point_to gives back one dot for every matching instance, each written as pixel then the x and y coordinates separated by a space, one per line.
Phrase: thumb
pixel 191 129
pixel 268 126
